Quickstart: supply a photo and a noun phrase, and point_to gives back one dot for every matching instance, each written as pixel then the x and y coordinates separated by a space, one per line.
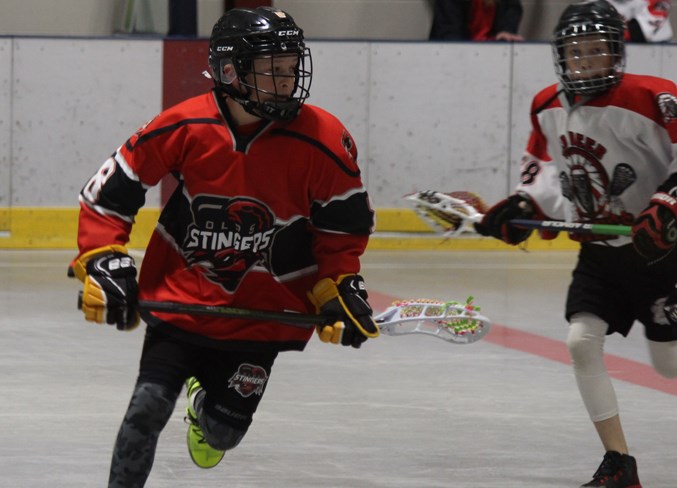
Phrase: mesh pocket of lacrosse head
pixel 449 317
pixel 433 308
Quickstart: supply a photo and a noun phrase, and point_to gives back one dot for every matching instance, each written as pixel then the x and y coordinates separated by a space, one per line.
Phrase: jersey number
pixel 92 189
pixel 529 172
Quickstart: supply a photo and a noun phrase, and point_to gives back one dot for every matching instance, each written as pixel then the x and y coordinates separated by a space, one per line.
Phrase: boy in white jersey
pixel 603 149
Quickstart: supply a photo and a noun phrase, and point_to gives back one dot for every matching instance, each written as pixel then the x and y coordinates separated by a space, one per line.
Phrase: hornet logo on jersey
pixel 228 237
pixel 248 380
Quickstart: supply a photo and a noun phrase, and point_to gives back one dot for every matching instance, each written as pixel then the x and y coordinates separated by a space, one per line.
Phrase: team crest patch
pixel 593 191
pixel 667 102
pixel 228 237
pixel 248 380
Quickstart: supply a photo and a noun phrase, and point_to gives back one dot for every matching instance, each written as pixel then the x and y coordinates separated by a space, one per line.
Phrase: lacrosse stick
pixel 450 321
pixel 455 322
pixel 574 227
pixel 455 212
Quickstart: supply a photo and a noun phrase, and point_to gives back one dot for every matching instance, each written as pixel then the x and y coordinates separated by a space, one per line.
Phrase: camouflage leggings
pixel 149 410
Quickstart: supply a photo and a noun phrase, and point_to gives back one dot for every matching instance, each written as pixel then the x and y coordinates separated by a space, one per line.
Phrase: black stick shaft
pixel 305 321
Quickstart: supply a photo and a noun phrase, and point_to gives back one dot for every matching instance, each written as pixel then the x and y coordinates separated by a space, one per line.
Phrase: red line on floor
pixel 619 368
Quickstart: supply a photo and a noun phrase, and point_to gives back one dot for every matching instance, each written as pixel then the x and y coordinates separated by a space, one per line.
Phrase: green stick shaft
pixel 574 227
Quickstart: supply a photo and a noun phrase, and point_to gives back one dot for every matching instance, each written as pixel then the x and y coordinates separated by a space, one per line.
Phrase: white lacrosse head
pixel 452 321
pixel 453 213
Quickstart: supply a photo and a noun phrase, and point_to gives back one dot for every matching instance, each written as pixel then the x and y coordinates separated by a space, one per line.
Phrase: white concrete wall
pixel 59 17
pixel 443 116
pixel 5 120
pixel 73 102
pixel 424 115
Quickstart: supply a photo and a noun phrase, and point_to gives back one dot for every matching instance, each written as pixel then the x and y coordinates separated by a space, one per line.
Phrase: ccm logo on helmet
pixel 224 48
pixel 291 32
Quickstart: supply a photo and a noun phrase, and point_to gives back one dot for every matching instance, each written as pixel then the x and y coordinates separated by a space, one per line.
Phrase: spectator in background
pixel 646 20
pixel 476 20
pixel 182 18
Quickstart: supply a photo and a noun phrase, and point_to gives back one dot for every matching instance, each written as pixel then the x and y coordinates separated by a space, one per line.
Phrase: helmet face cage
pixel 267 102
pixel 251 40
pixel 588 48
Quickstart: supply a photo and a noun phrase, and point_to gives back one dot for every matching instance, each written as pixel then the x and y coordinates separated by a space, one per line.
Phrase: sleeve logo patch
pixel 667 103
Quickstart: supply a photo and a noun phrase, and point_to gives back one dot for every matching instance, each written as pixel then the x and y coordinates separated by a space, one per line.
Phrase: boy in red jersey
pixel 270 212
pixel 603 149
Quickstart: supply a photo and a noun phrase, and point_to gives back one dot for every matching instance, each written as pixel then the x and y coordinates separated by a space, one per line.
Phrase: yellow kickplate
pixel 396 229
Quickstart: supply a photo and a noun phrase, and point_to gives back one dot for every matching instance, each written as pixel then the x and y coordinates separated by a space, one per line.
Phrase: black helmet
pixel 586 22
pixel 240 36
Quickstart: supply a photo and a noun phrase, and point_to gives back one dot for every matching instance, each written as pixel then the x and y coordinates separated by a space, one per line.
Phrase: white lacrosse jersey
pixel 600 160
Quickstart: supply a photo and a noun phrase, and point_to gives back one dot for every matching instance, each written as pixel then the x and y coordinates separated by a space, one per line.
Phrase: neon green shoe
pixel 202 454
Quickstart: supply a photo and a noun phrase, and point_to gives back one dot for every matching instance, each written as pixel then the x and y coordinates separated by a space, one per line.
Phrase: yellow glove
pixel 345 298
pixel 110 290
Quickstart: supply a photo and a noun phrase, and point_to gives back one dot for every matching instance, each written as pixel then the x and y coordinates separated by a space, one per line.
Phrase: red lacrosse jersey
pixel 600 160
pixel 257 218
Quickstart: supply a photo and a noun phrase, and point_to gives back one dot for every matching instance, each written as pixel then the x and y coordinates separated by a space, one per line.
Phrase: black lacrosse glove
pixel 346 299
pixel 654 232
pixel 496 222
pixel 110 291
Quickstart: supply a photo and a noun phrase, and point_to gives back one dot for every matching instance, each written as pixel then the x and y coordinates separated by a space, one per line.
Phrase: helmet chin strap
pixel 242 99
pixel 279 111
pixel 275 111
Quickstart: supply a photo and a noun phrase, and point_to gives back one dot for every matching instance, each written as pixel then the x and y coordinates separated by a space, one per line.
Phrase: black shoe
pixel 616 471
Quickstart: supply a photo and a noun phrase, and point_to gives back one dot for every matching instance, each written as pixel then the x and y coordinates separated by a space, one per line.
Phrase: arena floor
pixel 402 412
